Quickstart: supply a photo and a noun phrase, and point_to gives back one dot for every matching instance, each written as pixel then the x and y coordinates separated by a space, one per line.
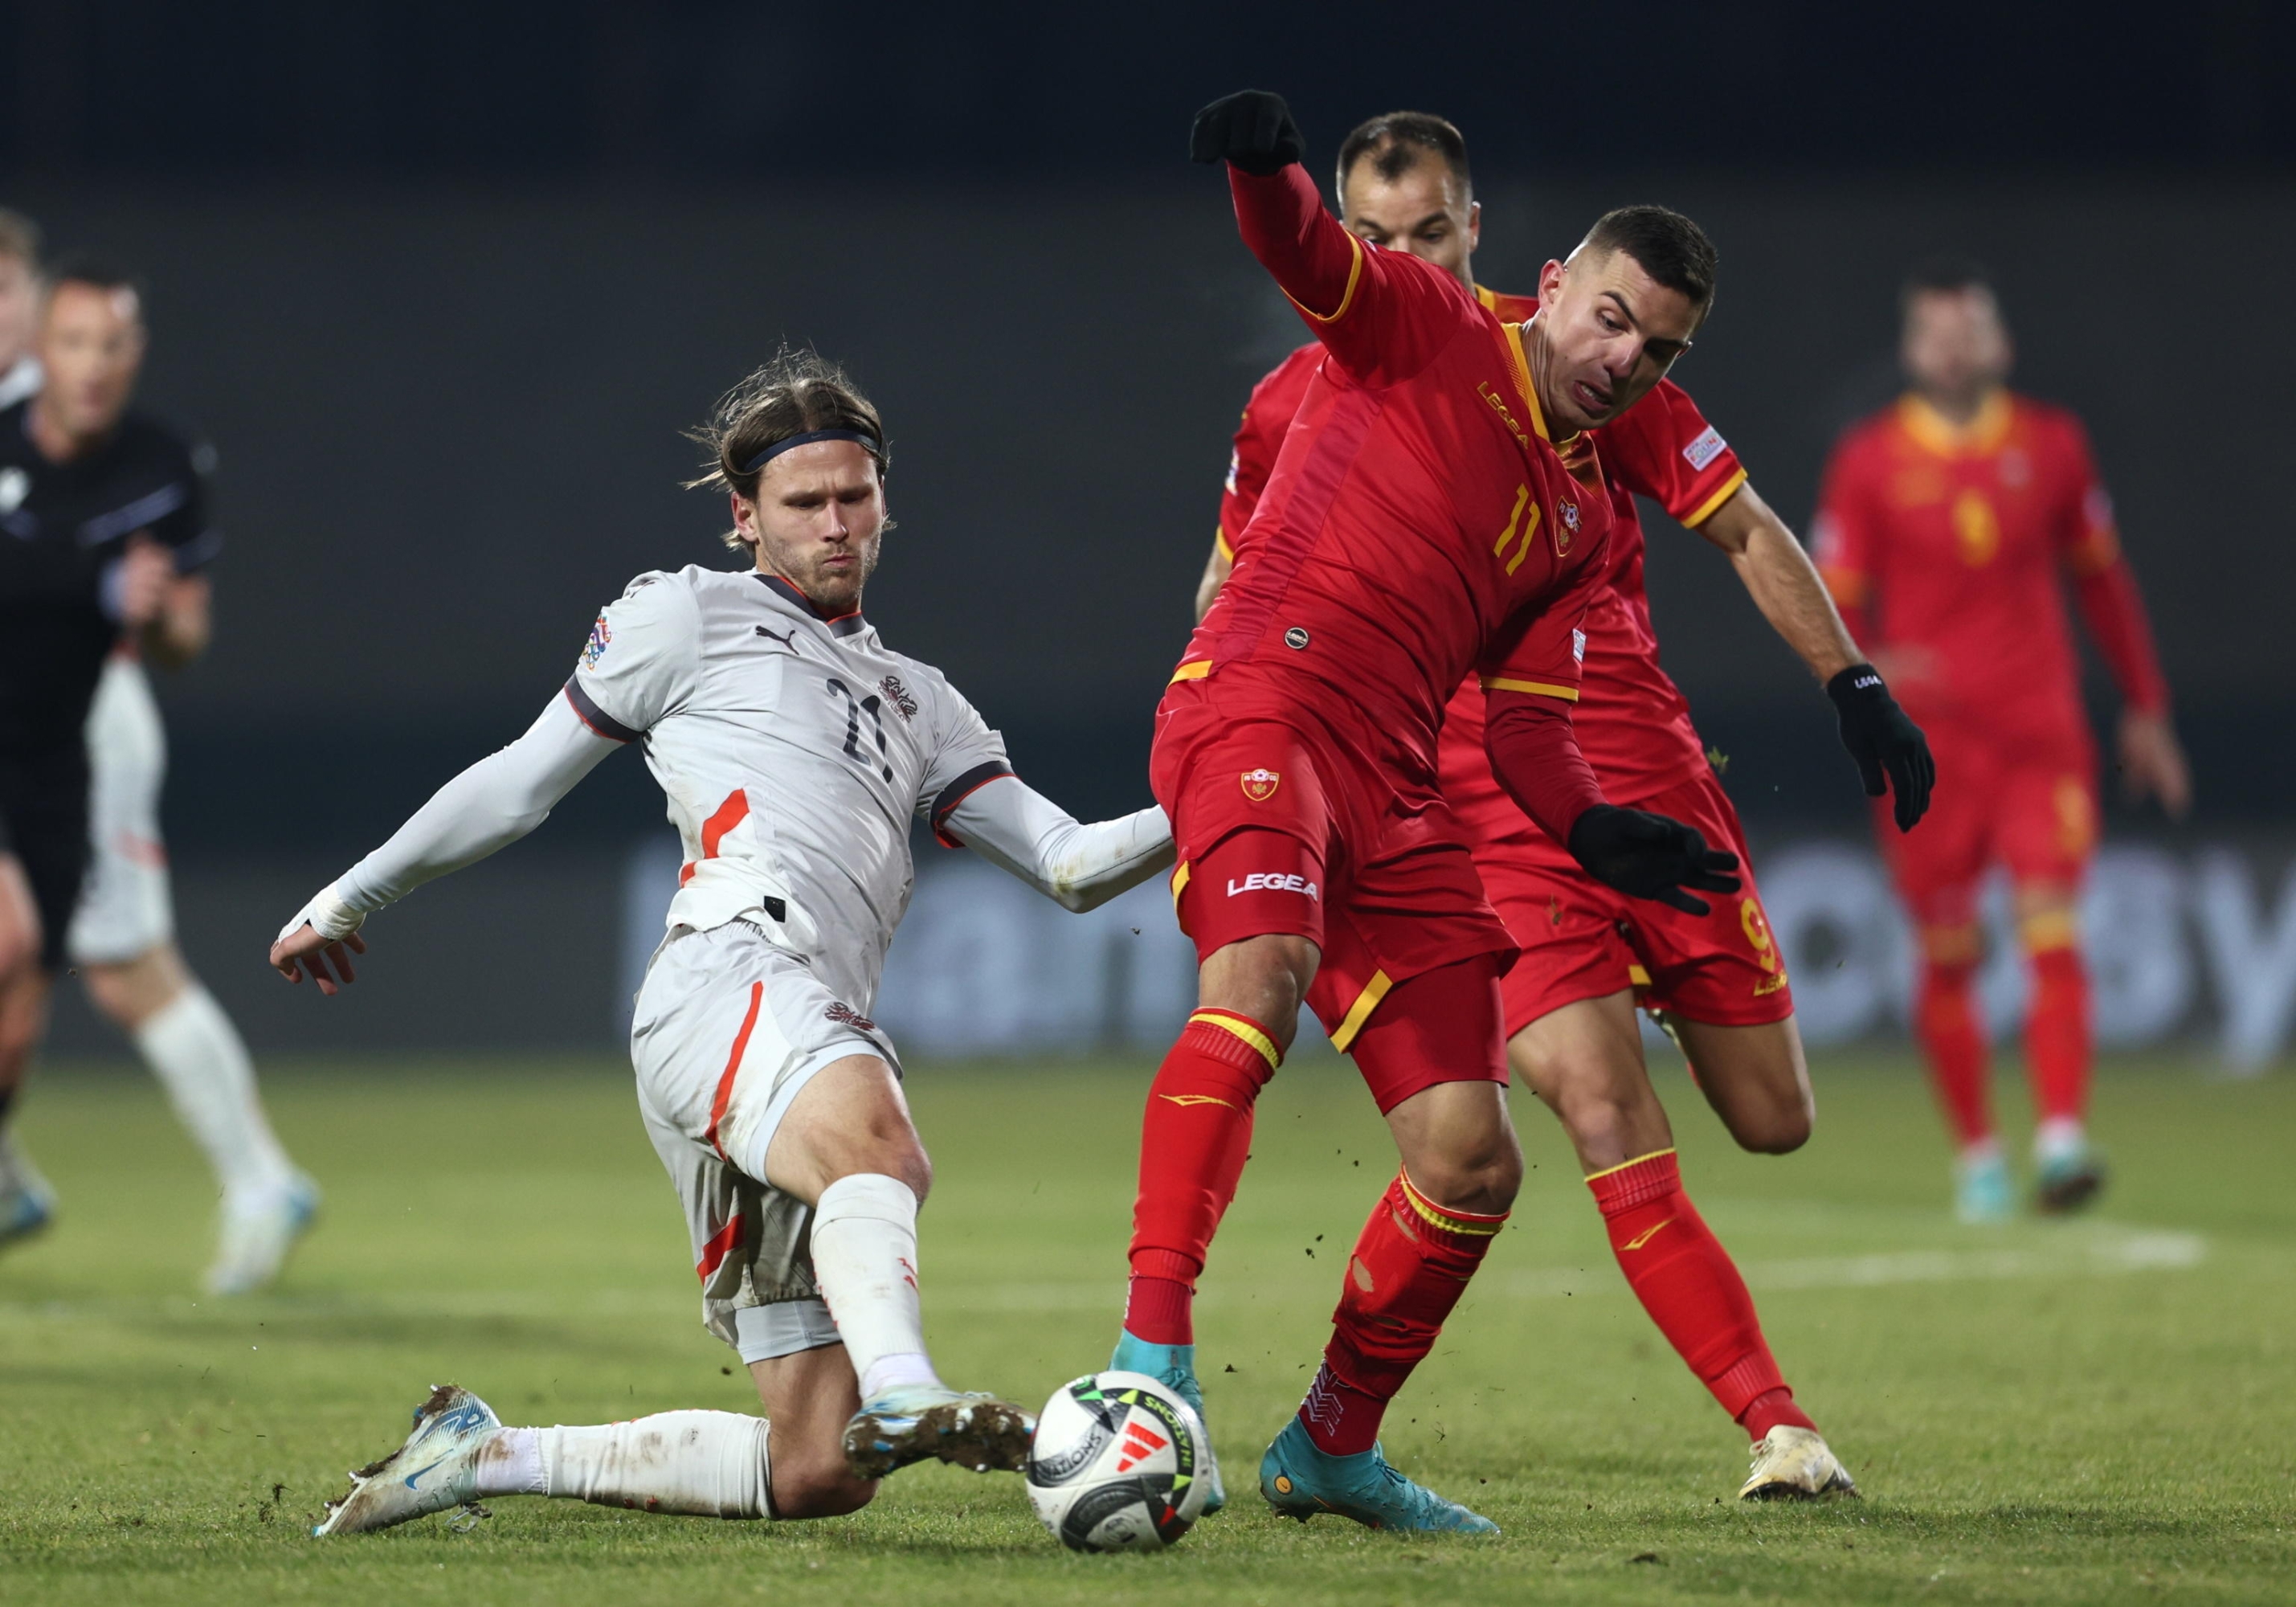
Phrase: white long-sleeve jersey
pixel 794 750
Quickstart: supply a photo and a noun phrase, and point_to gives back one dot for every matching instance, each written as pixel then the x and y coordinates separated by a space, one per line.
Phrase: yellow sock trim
pixel 1244 1029
pixel 1623 1165
pixel 2059 929
pixel 1473 1228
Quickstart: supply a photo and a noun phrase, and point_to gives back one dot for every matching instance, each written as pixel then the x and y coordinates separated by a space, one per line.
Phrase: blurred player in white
pixel 126 473
pixel 795 749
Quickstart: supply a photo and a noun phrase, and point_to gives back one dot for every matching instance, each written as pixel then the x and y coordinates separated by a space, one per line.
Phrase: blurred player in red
pixel 1436 509
pixel 1948 521
pixel 1588 952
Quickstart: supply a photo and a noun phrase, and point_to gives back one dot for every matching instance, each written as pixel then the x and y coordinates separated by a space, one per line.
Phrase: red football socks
pixel 1945 1021
pixel 2057 1035
pixel 1193 1139
pixel 1687 1282
pixel 1409 1268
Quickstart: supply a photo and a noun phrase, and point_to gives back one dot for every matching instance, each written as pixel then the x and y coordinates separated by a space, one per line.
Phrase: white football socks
pixel 705 1465
pixel 865 1259
pixel 199 1059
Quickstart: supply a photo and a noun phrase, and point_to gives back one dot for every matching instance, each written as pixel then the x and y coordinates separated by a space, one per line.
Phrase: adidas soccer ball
pixel 1119 1464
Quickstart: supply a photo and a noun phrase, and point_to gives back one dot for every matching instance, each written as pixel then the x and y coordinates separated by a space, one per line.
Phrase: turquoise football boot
pixel 2070 1179
pixel 1174 1366
pixel 1981 1190
pixel 1299 1481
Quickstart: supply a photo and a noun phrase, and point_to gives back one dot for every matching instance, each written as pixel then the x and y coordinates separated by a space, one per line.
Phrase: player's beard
pixel 836 590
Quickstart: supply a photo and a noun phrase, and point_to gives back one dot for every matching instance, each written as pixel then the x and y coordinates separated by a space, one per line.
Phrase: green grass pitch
pixel 2081 1412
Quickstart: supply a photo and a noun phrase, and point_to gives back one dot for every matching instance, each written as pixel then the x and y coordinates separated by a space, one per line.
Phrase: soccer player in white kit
pixel 795 749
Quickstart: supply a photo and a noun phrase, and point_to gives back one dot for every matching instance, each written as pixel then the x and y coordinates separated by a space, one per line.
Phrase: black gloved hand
pixel 1251 128
pixel 1884 741
pixel 1651 857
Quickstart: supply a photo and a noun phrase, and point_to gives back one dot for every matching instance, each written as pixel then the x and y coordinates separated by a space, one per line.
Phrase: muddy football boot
pixel 919 1422
pixel 429 1473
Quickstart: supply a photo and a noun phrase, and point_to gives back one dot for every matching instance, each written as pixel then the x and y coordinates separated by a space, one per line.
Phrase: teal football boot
pixel 1300 1481
pixel 1174 1366
pixel 1982 1193
pixel 2070 1179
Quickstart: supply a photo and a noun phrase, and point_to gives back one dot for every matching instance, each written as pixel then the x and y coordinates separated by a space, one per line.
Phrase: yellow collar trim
pixel 1934 432
pixel 1522 366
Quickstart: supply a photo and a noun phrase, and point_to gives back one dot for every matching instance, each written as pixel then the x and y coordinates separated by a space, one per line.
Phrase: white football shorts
pixel 729 1027
pixel 125 907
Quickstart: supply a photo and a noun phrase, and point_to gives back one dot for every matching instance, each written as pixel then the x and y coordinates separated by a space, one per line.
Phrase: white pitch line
pixel 2111 1253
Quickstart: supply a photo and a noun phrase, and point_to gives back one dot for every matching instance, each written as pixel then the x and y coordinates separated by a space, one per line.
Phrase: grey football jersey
pixel 794 750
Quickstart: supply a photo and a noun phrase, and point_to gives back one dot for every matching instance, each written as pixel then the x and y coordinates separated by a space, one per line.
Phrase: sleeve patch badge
pixel 1259 785
pixel 1705 449
pixel 595 649
pixel 1578 646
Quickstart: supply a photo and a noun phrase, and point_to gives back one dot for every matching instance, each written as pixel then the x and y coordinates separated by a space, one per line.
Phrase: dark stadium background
pixel 443 282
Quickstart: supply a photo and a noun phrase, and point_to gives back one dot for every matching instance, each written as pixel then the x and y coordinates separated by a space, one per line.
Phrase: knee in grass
pixel 818 1485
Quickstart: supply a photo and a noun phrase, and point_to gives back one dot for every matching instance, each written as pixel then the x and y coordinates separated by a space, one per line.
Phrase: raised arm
pixel 1079 867
pixel 1383 316
pixel 487 807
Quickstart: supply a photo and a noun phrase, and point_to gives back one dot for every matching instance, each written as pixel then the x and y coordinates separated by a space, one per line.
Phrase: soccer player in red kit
pixel 1436 509
pixel 1948 520
pixel 1588 952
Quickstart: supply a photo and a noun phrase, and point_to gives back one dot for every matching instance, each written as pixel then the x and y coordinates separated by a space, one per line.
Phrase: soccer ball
pixel 1119 1464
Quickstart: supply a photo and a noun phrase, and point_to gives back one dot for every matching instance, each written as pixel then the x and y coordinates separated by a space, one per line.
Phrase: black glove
pixel 1884 742
pixel 1251 128
pixel 1651 857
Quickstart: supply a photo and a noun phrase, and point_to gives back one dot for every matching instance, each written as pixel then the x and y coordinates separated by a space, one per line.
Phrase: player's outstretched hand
pixel 320 938
pixel 1892 754
pixel 1651 857
pixel 304 949
pixel 1252 128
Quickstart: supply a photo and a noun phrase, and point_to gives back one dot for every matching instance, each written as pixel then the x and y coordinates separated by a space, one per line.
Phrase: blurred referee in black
pixel 103 530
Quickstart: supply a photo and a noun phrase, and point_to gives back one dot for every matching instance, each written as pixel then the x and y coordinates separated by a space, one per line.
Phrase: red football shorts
pixel 2029 805
pixel 1583 940
pixel 1283 826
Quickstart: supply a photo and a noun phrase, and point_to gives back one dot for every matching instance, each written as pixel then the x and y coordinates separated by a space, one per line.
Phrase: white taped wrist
pixel 326 915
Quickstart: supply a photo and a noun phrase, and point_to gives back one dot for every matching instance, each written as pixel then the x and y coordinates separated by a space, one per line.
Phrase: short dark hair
pixel 20 237
pixel 1395 141
pixel 794 392
pixel 95 274
pixel 1942 275
pixel 1668 247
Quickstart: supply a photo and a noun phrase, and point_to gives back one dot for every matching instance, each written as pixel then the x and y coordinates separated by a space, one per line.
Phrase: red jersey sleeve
pixel 1383 316
pixel 2089 545
pixel 1543 649
pixel 1842 534
pixel 1663 449
pixel 1259 437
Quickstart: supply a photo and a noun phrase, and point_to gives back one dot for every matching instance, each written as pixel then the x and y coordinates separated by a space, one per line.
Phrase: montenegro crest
pixel 1259 785
pixel 1567 530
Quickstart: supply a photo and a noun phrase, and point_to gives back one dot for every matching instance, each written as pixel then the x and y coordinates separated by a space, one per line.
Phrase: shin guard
pixel 1193 1139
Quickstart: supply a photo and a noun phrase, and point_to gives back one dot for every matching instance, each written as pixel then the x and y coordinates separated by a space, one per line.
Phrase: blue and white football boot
pixel 431 1471
pixel 1174 1366
pixel 257 1235
pixel 1299 1481
pixel 919 1422
pixel 2072 1176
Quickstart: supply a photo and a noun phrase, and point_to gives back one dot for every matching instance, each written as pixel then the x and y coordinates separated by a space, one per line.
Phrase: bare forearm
pixel 1783 582
pixel 181 631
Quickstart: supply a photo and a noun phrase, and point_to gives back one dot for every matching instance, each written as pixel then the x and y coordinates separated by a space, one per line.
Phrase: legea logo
pixel 1272 882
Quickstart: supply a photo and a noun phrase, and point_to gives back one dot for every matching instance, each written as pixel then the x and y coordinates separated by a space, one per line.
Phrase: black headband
pixel 868 444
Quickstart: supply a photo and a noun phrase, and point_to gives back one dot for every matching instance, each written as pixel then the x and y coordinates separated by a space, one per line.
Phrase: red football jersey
pixel 1418 525
pixel 1633 722
pixel 1951 540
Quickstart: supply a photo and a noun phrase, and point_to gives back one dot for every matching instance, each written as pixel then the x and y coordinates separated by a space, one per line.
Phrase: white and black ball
pixel 1120 1463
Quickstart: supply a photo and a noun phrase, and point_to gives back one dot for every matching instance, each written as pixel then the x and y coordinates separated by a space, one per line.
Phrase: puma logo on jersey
pixel 789 640
pixel 1272 882
pixel 1645 1237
